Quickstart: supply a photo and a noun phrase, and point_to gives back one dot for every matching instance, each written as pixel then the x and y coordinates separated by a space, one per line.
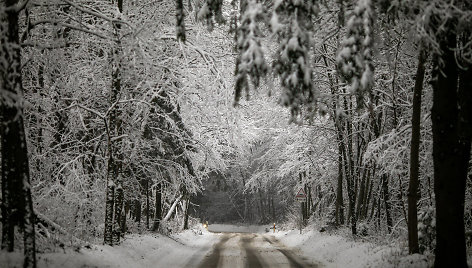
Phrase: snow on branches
pixel 250 61
pixel 354 59
pixel 209 9
pixel 292 62
pixel 179 15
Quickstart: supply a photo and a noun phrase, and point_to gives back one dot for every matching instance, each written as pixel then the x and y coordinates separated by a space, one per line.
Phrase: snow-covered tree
pixel 354 60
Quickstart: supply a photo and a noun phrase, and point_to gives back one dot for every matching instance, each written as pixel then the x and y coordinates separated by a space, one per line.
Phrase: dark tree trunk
pixel 339 190
pixel 360 198
pixel 339 207
pixel 352 213
pixel 112 221
pixel 367 202
pixel 187 202
pixel 365 198
pixel 263 218
pixel 413 188
pixel 351 199
pixel 348 164
pixel 305 206
pixel 117 215
pixel 158 204
pixel 138 212
pixel 147 203
pixel 309 202
pixel 451 151
pixel 17 204
pixel 110 200
pixel 386 196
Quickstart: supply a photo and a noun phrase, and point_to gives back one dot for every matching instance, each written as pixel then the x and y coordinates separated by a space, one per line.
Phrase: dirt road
pixel 251 250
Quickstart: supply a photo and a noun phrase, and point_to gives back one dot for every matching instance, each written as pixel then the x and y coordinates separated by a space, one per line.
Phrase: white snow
pixel 230 228
pixel 146 250
pixel 187 249
pixel 337 251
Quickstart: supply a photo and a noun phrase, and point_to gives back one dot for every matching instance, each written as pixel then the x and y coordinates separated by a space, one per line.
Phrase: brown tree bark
pixel 413 190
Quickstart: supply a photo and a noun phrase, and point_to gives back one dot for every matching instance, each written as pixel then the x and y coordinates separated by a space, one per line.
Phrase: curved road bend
pixel 251 250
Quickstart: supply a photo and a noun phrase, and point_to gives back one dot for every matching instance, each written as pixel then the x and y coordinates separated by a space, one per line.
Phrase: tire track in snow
pixel 252 260
pixel 213 259
pixel 295 262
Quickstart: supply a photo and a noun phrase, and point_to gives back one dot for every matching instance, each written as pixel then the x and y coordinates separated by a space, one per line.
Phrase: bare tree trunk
pixel 369 198
pixel 413 190
pixel 158 205
pixel 309 201
pixel 117 215
pixel 339 191
pixel 123 217
pixel 367 194
pixel 351 196
pixel 360 199
pixel 451 122
pixel 109 203
pixel 246 206
pixel 172 209
pixel 138 212
pixel 372 211
pixel 386 195
pixel 187 202
pixel 17 205
pixel 147 203
pixel 114 147
pixel 262 207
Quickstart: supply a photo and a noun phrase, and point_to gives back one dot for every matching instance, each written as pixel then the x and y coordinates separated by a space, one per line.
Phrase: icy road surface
pixel 239 247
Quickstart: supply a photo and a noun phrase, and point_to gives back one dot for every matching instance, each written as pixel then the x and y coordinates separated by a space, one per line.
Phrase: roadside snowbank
pixel 147 250
pixel 337 251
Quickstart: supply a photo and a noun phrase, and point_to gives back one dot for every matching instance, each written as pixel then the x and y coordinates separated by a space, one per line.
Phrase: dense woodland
pixel 126 116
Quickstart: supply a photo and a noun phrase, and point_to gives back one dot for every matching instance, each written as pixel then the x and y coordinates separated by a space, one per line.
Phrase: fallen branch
pixel 171 210
pixel 49 224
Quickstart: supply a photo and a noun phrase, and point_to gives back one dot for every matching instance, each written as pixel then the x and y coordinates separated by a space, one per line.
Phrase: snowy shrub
pixel 331 216
pixel 427 229
pixel 362 229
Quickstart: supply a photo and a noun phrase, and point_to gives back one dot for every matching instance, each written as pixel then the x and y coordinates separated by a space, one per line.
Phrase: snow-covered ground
pixel 232 228
pixel 146 250
pixel 337 251
pixel 188 249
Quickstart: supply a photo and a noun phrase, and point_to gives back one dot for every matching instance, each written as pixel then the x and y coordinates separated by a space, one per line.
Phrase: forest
pixel 124 116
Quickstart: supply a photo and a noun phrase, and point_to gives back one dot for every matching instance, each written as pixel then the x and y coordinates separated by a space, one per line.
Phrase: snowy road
pixel 251 250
